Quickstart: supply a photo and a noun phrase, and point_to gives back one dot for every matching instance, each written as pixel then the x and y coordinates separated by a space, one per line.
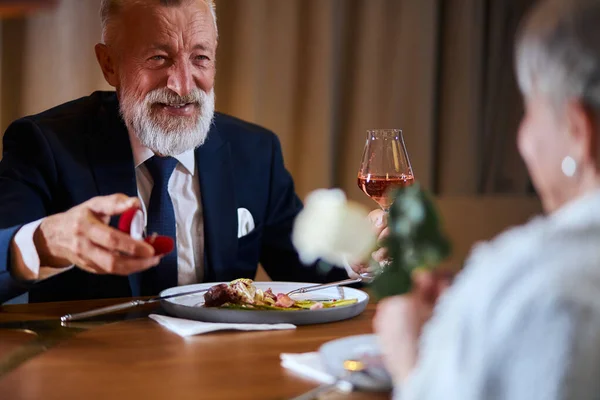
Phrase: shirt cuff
pixel 26 262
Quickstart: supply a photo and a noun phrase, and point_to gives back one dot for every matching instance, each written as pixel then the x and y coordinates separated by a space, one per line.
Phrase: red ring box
pixel 132 223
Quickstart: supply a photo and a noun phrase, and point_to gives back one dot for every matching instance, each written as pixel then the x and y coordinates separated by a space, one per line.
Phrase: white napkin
pixel 245 222
pixel 186 327
pixel 311 366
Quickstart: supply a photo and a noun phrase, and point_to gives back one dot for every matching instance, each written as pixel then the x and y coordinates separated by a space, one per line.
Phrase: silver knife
pixel 124 306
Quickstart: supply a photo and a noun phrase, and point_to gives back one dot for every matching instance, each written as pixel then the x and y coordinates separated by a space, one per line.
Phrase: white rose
pixel 333 229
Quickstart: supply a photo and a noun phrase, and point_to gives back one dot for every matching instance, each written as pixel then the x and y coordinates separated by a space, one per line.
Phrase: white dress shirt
pixel 184 189
pixel 522 321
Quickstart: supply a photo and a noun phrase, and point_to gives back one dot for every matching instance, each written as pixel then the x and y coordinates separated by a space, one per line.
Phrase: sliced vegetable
pixel 299 305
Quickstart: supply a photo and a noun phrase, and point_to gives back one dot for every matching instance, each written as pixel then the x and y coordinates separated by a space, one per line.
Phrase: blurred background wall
pixel 320 73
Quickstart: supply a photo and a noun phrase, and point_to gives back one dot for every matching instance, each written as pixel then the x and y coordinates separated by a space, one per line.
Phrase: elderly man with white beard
pixel 215 184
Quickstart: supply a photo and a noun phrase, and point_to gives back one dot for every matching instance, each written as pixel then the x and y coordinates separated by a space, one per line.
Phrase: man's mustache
pixel 168 97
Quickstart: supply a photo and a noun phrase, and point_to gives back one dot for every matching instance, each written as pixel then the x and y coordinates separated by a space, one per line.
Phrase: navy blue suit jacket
pixel 62 157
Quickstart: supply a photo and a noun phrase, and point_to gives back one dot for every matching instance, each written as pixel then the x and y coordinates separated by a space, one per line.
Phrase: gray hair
pixel 110 8
pixel 558 52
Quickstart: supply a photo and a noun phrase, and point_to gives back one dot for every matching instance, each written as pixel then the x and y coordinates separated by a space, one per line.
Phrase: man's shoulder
pixel 237 130
pixel 74 112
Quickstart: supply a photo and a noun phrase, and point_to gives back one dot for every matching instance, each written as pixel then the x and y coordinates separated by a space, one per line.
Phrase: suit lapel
pixel 110 153
pixel 111 161
pixel 219 206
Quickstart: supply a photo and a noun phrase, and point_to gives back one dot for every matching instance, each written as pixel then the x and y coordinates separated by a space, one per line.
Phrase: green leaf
pixel 392 282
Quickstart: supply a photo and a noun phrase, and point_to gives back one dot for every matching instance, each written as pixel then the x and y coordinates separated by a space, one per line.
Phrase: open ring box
pixel 132 222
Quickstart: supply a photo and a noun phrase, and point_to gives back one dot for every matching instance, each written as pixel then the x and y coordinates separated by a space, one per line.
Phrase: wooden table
pixel 137 358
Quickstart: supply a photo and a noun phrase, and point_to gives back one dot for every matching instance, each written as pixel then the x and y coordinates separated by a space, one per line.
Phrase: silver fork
pixel 365 277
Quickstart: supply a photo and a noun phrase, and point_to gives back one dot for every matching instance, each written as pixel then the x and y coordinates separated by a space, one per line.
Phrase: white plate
pixel 363 348
pixel 191 307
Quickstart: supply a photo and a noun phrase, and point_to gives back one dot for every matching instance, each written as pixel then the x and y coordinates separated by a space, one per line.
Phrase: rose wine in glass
pixel 384 166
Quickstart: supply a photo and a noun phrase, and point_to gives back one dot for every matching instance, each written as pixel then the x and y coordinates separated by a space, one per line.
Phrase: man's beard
pixel 163 133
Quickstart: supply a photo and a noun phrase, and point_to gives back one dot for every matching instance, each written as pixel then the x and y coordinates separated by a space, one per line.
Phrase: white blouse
pixel 522 321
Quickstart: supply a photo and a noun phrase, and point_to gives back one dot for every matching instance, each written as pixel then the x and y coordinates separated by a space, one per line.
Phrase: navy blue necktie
pixel 161 220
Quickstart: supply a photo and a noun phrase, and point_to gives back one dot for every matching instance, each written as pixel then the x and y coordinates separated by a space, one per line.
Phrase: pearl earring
pixel 569 166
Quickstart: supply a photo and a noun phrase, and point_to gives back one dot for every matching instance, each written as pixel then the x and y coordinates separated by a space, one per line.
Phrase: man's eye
pixel 158 58
pixel 202 58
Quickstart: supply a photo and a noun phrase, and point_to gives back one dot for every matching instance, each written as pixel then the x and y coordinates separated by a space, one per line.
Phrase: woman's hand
pixel 400 319
pixel 379 221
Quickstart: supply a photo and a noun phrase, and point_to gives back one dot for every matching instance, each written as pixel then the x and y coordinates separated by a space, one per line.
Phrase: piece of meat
pixel 219 295
pixel 269 294
pixel 244 290
pixel 316 306
pixel 284 301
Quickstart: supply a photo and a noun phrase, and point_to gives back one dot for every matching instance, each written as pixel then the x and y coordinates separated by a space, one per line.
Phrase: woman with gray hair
pixel 522 321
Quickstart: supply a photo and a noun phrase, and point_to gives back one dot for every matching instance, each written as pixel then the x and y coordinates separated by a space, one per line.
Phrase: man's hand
pixel 81 236
pixel 400 319
pixel 379 220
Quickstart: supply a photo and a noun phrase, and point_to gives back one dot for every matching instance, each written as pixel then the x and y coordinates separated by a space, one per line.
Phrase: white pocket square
pixel 245 222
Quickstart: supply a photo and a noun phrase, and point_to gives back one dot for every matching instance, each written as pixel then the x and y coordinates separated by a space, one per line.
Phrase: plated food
pixel 242 294
pixel 193 307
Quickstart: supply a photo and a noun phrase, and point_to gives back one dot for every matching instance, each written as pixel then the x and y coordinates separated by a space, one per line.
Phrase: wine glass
pixel 384 166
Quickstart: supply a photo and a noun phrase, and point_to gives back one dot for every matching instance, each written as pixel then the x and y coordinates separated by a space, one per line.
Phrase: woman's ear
pixel 107 63
pixel 581 129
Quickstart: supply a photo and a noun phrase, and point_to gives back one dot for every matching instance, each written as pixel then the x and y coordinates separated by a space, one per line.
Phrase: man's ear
pixel 107 63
